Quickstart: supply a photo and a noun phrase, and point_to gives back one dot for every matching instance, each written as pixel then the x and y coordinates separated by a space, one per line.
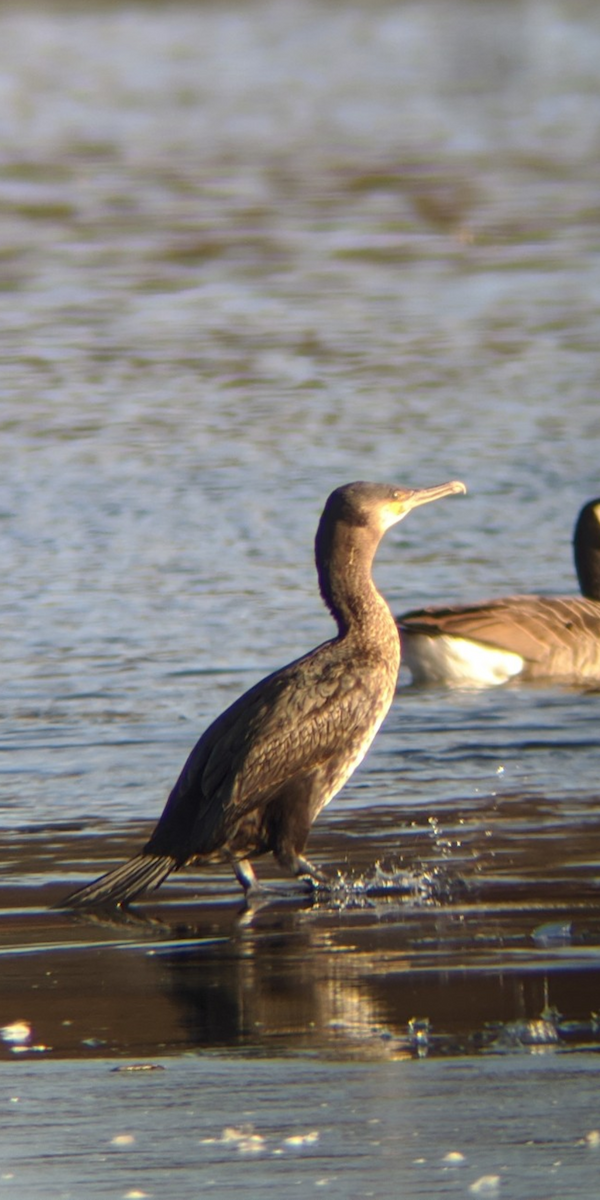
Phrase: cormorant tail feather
pixel 124 883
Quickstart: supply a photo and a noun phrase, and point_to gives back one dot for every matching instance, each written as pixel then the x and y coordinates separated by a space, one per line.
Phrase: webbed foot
pixel 310 875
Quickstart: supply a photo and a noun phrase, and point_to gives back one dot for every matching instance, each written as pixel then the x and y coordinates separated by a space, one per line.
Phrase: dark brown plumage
pixel 262 772
pixel 528 637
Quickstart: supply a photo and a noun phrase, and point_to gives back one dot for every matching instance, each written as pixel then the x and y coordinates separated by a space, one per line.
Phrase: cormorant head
pixel 354 520
pixel 381 505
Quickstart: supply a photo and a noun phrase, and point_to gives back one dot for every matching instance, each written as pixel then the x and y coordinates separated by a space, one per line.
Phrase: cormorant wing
pixel 287 723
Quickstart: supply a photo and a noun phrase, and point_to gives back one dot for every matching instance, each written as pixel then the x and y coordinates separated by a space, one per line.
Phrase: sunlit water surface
pixel 250 252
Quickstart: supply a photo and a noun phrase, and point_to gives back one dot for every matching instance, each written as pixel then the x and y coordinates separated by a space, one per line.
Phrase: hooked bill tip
pixel 453 487
pixel 437 492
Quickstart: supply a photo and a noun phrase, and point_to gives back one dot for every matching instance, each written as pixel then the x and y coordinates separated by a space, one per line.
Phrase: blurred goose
pixel 530 637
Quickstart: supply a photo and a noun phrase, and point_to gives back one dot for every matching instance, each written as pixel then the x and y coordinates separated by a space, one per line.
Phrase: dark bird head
pixel 380 505
pixel 354 520
pixel 586 549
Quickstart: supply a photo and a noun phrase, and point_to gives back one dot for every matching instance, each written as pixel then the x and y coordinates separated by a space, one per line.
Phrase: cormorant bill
pixel 262 772
pixel 554 638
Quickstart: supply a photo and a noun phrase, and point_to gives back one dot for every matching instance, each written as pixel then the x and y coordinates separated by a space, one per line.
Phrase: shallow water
pixel 249 253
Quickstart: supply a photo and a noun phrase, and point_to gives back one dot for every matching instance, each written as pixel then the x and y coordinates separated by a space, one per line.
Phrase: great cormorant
pixel 556 638
pixel 262 772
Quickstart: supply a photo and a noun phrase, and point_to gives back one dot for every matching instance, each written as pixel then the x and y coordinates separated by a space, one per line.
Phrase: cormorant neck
pixel 344 555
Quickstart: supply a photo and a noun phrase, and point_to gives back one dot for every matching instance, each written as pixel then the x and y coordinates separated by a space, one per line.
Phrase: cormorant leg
pixel 302 868
pixel 255 895
pixel 245 875
pixel 307 870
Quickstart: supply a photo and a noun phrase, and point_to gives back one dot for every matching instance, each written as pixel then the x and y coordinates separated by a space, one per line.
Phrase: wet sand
pixel 230 1127
pixel 479 946
pixel 423 1030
